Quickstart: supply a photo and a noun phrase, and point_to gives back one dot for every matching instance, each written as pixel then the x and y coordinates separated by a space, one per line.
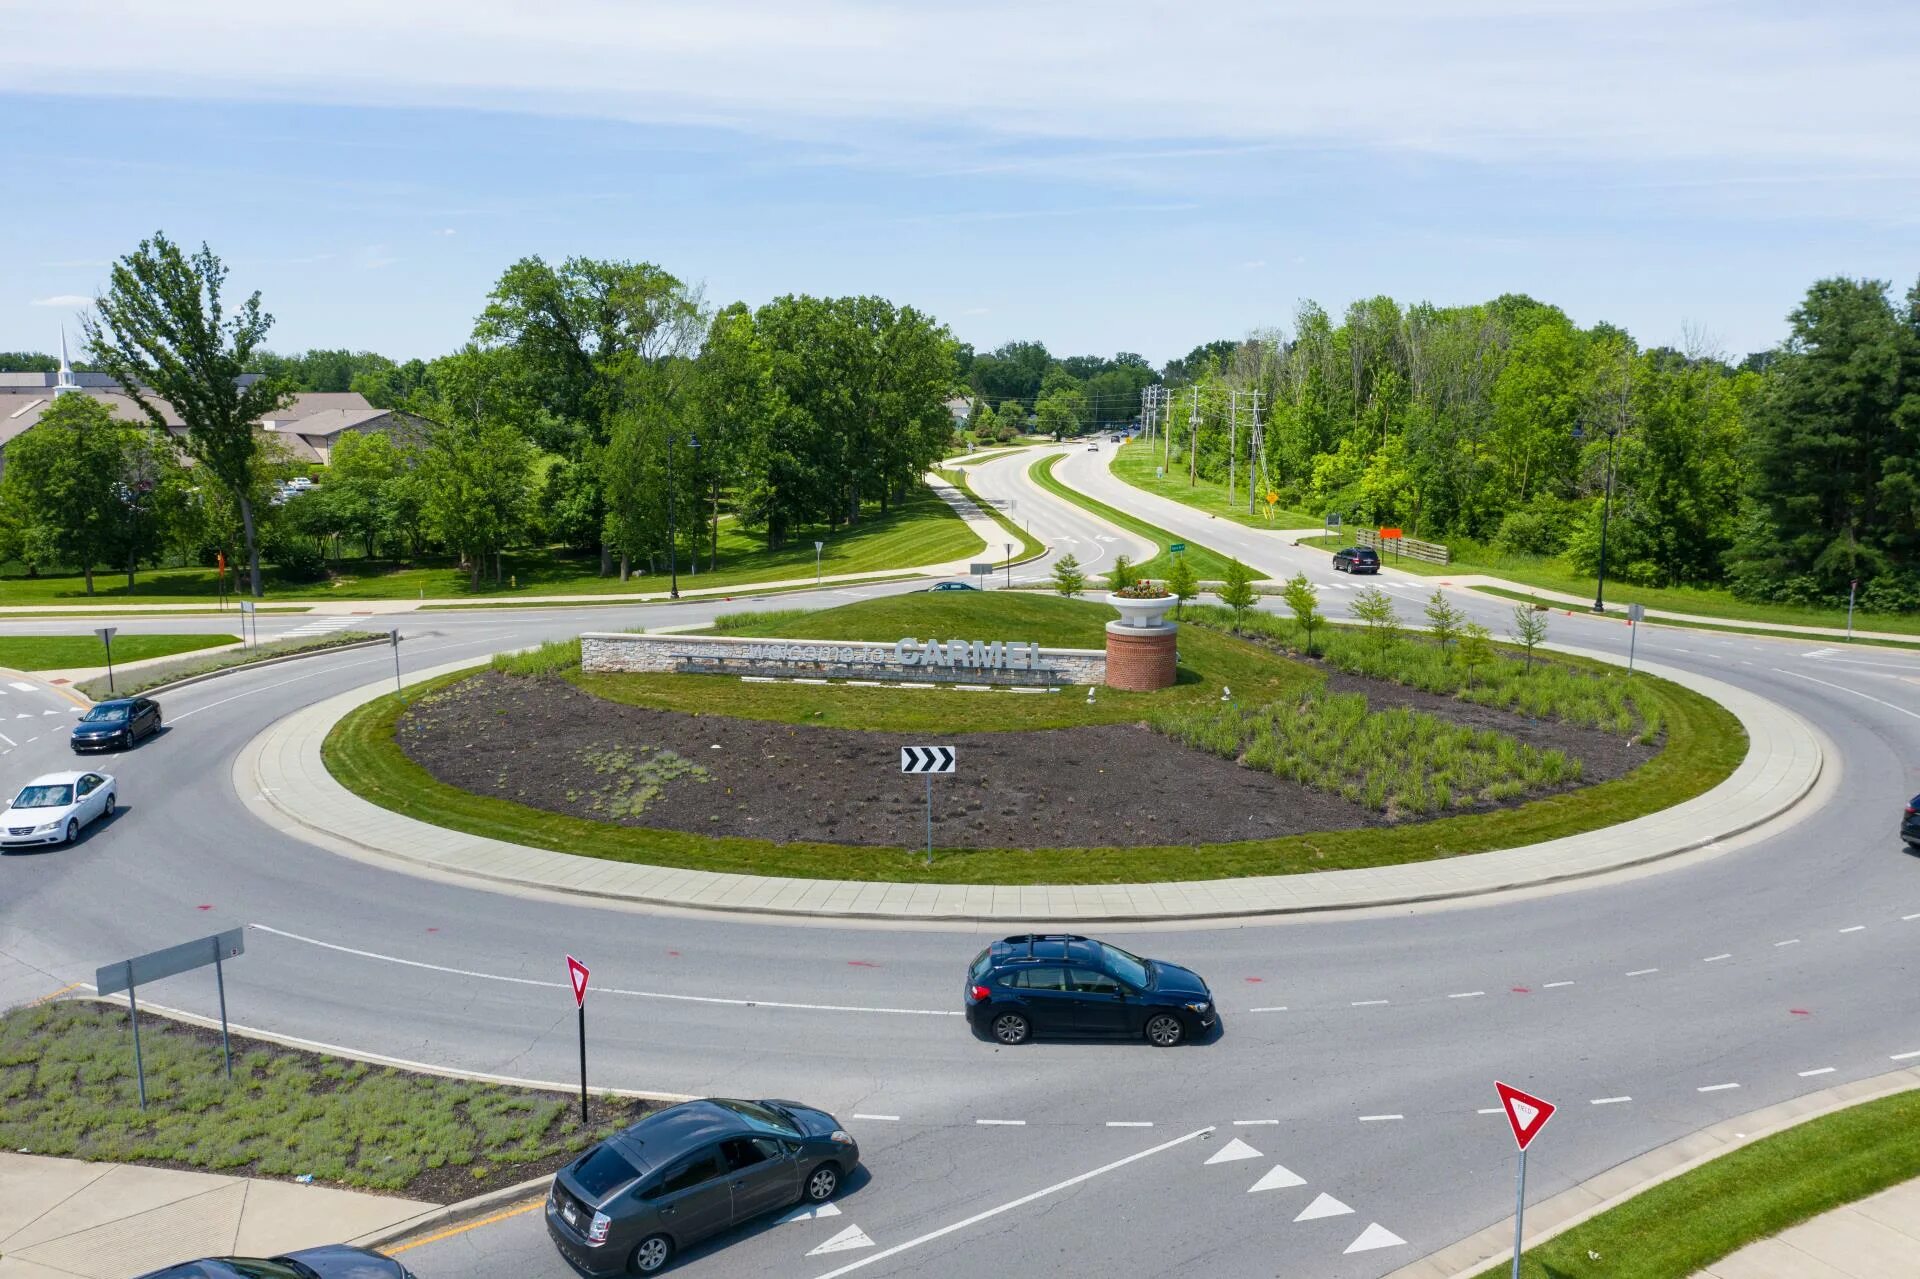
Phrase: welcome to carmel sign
pixel 931 661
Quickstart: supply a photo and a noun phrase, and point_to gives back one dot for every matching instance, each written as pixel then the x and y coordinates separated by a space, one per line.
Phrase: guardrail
pixel 1412 548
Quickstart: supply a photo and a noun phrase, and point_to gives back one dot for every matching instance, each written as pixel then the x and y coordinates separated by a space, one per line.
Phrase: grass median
pixel 1701 1216
pixel 1026 544
pixel 68 1088
pixel 1208 565
pixel 1137 461
pixel 64 652
pixel 127 683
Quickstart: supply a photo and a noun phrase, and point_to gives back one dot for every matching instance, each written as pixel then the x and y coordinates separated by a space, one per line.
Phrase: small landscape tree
pixel 1182 583
pixel 1375 608
pixel 1529 629
pixel 1121 575
pixel 1304 603
pixel 1237 591
pixel 1067 577
pixel 1444 620
pixel 1476 648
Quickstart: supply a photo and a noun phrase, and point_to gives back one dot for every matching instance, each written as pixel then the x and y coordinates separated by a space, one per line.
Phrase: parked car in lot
pixel 1356 559
pixel 335 1261
pixel 689 1172
pixel 1064 984
pixel 53 808
pixel 1910 824
pixel 953 586
pixel 116 724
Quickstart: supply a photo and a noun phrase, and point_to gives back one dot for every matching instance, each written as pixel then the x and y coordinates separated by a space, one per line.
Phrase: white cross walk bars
pixel 926 759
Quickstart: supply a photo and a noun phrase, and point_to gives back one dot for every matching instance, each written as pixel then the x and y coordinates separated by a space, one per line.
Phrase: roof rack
pixel 1028 939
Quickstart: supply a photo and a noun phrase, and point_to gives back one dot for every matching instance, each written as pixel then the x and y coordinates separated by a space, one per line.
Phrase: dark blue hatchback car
pixel 1910 824
pixel 1064 984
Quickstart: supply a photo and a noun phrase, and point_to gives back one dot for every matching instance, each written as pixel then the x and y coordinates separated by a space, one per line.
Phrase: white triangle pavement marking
pixel 49 712
pixel 1233 1150
pixel 1375 1236
pixel 1522 1113
pixel 808 1212
pixel 1324 1206
pixel 23 715
pixel 847 1240
pixel 1279 1179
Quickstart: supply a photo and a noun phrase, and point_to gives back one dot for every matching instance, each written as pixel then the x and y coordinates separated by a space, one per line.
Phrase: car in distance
pixel 52 809
pixel 1065 984
pixel 953 586
pixel 334 1261
pixel 1356 559
pixel 1910 824
pixel 689 1172
pixel 118 723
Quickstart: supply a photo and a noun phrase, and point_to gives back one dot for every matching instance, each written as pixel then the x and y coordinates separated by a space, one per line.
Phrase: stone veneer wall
pixel 819 659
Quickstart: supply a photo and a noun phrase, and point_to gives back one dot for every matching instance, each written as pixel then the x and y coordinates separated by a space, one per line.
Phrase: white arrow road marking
pixel 809 1213
pixel 23 715
pixel 49 712
pixel 847 1240
pixel 1279 1179
pixel 1375 1236
pixel 1821 652
pixel 1232 1152
pixel 1324 1206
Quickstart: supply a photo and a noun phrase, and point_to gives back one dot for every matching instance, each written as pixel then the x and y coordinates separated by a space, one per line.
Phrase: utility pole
pixel 1193 439
pixel 1166 442
pixel 1256 449
pixel 1233 441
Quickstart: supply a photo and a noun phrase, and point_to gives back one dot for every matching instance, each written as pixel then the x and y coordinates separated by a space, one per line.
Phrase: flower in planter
pixel 1144 589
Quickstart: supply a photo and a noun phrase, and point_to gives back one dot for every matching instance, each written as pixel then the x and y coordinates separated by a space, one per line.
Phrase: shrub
pixel 550 658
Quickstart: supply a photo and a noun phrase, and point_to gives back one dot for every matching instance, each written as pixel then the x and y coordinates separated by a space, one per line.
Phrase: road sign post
pixel 927 760
pixel 1174 548
pixel 393 634
pixel 106 634
pixel 1635 612
pixel 577 975
pixel 1853 588
pixel 817 548
pixel 1526 1115
pixel 246 616
pixel 128 974
pixel 980 569
pixel 1009 546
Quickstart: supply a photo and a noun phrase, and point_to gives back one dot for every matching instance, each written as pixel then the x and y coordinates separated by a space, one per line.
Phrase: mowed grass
pixel 64 652
pixel 1025 545
pixel 127 683
pixel 1704 743
pixel 67 1088
pixel 1701 1216
pixel 1135 462
pixel 921 530
pixel 1554 575
pixel 1208 565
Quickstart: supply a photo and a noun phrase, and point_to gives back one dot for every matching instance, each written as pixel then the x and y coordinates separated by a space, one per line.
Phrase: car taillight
pixel 598 1227
pixel 979 993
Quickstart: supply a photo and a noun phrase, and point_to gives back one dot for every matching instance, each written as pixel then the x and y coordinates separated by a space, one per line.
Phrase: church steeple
pixel 66 382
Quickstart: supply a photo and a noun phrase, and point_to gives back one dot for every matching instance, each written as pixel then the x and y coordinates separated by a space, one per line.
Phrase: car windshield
pixel 44 797
pixel 604 1170
pixel 763 1117
pixel 1128 968
pixel 104 715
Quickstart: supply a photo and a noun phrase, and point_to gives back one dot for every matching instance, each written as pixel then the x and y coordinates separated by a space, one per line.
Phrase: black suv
pixel 1356 559
pixel 1058 983
pixel 1910 824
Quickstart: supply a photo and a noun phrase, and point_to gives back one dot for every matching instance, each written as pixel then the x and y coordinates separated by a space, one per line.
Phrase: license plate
pixel 573 1217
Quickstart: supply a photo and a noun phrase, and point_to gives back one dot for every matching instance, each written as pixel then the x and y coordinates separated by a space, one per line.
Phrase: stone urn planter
pixel 1141 613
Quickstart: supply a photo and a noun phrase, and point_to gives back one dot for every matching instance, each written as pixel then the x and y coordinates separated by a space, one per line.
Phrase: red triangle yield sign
pixel 1526 1114
pixel 577 974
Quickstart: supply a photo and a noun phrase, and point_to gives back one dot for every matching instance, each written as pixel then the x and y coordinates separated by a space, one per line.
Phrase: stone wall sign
pixel 953 661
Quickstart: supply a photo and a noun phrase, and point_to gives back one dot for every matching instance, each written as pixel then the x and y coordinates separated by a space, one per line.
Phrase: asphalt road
pixel 1357 1054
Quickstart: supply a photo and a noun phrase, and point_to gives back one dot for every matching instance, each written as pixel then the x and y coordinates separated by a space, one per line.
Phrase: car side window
pixel 1039 979
pixel 87 784
pixel 695 1171
pixel 1085 981
pixel 742 1152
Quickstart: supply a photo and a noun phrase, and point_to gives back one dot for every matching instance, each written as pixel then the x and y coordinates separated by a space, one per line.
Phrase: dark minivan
pixel 118 723
pixel 1356 559
pixel 1063 984
pixel 1910 824
pixel 689 1172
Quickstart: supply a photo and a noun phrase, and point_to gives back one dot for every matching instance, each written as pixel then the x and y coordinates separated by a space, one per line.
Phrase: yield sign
pixel 1526 1114
pixel 577 974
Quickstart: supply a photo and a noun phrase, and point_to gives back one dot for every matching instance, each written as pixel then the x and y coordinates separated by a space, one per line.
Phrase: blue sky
pixel 1122 176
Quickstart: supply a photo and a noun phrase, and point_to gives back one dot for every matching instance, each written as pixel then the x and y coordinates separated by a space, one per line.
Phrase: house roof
pixel 324 413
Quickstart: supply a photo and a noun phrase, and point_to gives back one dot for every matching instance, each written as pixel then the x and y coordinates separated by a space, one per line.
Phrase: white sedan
pixel 53 808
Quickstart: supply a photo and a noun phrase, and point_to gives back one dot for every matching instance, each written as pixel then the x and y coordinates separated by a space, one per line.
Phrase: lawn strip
pixel 64 652
pixel 127 683
pixel 1030 546
pixel 1208 565
pixel 1135 462
pixel 1657 619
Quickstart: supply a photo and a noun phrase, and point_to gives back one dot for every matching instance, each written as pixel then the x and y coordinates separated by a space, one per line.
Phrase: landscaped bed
pixel 67 1088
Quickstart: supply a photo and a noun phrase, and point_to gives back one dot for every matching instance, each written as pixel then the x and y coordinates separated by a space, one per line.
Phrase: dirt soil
pixel 546 744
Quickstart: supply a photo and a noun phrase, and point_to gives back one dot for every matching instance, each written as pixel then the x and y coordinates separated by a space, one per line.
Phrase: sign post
pixel 1392 535
pixel 106 634
pixel 1853 587
pixel 1526 1115
pixel 393 634
pixel 577 974
pixel 1634 613
pixel 1174 548
pixel 127 974
pixel 927 760
pixel 220 582
pixel 817 548
pixel 980 569
pixel 246 616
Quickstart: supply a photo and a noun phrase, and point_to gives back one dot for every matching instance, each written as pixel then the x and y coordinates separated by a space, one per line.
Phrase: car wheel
pixel 1164 1030
pixel 1011 1028
pixel 823 1183
pixel 112 801
pixel 73 829
pixel 651 1256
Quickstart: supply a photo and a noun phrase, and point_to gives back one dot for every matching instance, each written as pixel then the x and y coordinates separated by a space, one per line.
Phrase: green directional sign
pixel 1177 547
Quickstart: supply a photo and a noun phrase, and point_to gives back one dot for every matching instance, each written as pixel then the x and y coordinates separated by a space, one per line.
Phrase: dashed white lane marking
pixel 1255 1123
pixel 1642 972
pixel 885 1119
pixel 605 990
pixel 1490 1110
pixel 1555 985
pixel 1791 941
pixel 25 688
pixel 1824 1070
pixel 1011 1204
pixel 1001 1123
pixel 1907 918
pixel 1857 928
pixel 1379 1119
pixel 1905 1056
pixel 1714 959
pixel 1129 1123
pixel 1368 1003
pixel 1608 1101
pixel 1278 1008
pixel 1468 994
pixel 1716 1087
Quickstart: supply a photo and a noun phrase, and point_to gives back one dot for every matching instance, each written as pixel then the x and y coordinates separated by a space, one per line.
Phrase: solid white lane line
pixel 1468 994
pixel 1368 1003
pixel 1379 1119
pixel 885 1119
pixel 1857 928
pixel 1011 1204
pixel 1001 1123
pixel 1490 1110
pixel 1791 941
pixel 1905 1056
pixel 1642 972
pixel 1716 1087
pixel 1714 959
pixel 1129 1123
pixel 1255 1123
pixel 1824 1070
pixel 1279 1008
pixel 1906 918
pixel 604 990
pixel 1844 689
pixel 1555 985
pixel 1608 1101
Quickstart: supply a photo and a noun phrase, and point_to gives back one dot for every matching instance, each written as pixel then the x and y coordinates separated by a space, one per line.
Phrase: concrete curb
pixel 456 1214
pixel 1493 1246
pixel 283 658
pixel 282 774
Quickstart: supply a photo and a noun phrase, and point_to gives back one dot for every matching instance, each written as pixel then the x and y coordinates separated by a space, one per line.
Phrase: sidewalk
pixel 281 776
pixel 65 1217
pixel 1876 1238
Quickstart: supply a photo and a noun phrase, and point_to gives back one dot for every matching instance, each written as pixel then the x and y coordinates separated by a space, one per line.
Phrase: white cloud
pixel 446 231
pixel 977 310
pixel 1253 264
pixel 68 301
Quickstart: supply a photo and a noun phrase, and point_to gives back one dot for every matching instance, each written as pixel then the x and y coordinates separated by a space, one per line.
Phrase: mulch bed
pixel 546 744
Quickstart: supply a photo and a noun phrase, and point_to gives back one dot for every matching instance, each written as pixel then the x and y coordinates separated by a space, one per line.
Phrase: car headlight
pixel 50 826
pixel 839 1137
pixel 1200 1007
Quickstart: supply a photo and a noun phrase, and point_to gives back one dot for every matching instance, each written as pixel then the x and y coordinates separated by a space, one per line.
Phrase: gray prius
pixel 689 1172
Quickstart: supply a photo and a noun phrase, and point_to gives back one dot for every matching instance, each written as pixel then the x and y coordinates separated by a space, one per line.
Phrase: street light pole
pixel 1606 511
pixel 673 535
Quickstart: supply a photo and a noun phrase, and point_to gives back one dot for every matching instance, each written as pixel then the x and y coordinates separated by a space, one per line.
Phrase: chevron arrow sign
pixel 926 759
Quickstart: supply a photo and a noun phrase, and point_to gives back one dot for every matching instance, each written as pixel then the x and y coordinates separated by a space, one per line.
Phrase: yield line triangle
pixel 1375 1236
pixel 1279 1179
pixel 1233 1150
pixel 847 1240
pixel 810 1212
pixel 1325 1206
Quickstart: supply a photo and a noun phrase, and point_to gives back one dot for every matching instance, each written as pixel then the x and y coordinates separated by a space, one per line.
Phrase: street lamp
pixel 673 566
pixel 1606 512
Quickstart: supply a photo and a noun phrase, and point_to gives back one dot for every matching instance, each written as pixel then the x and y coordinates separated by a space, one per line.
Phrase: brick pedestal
pixel 1141 658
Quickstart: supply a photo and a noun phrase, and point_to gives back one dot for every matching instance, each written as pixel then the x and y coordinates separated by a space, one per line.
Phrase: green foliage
pixel 1182 583
pixel 127 683
pixel 63 652
pixel 555 657
pixel 1444 619
pixel 1122 574
pixel 478 483
pixel 631 778
pixel 1236 591
pixel 1374 608
pixel 1067 577
pixel 1476 650
pixel 755 623
pixel 1304 603
pixel 1529 629
pixel 62 488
